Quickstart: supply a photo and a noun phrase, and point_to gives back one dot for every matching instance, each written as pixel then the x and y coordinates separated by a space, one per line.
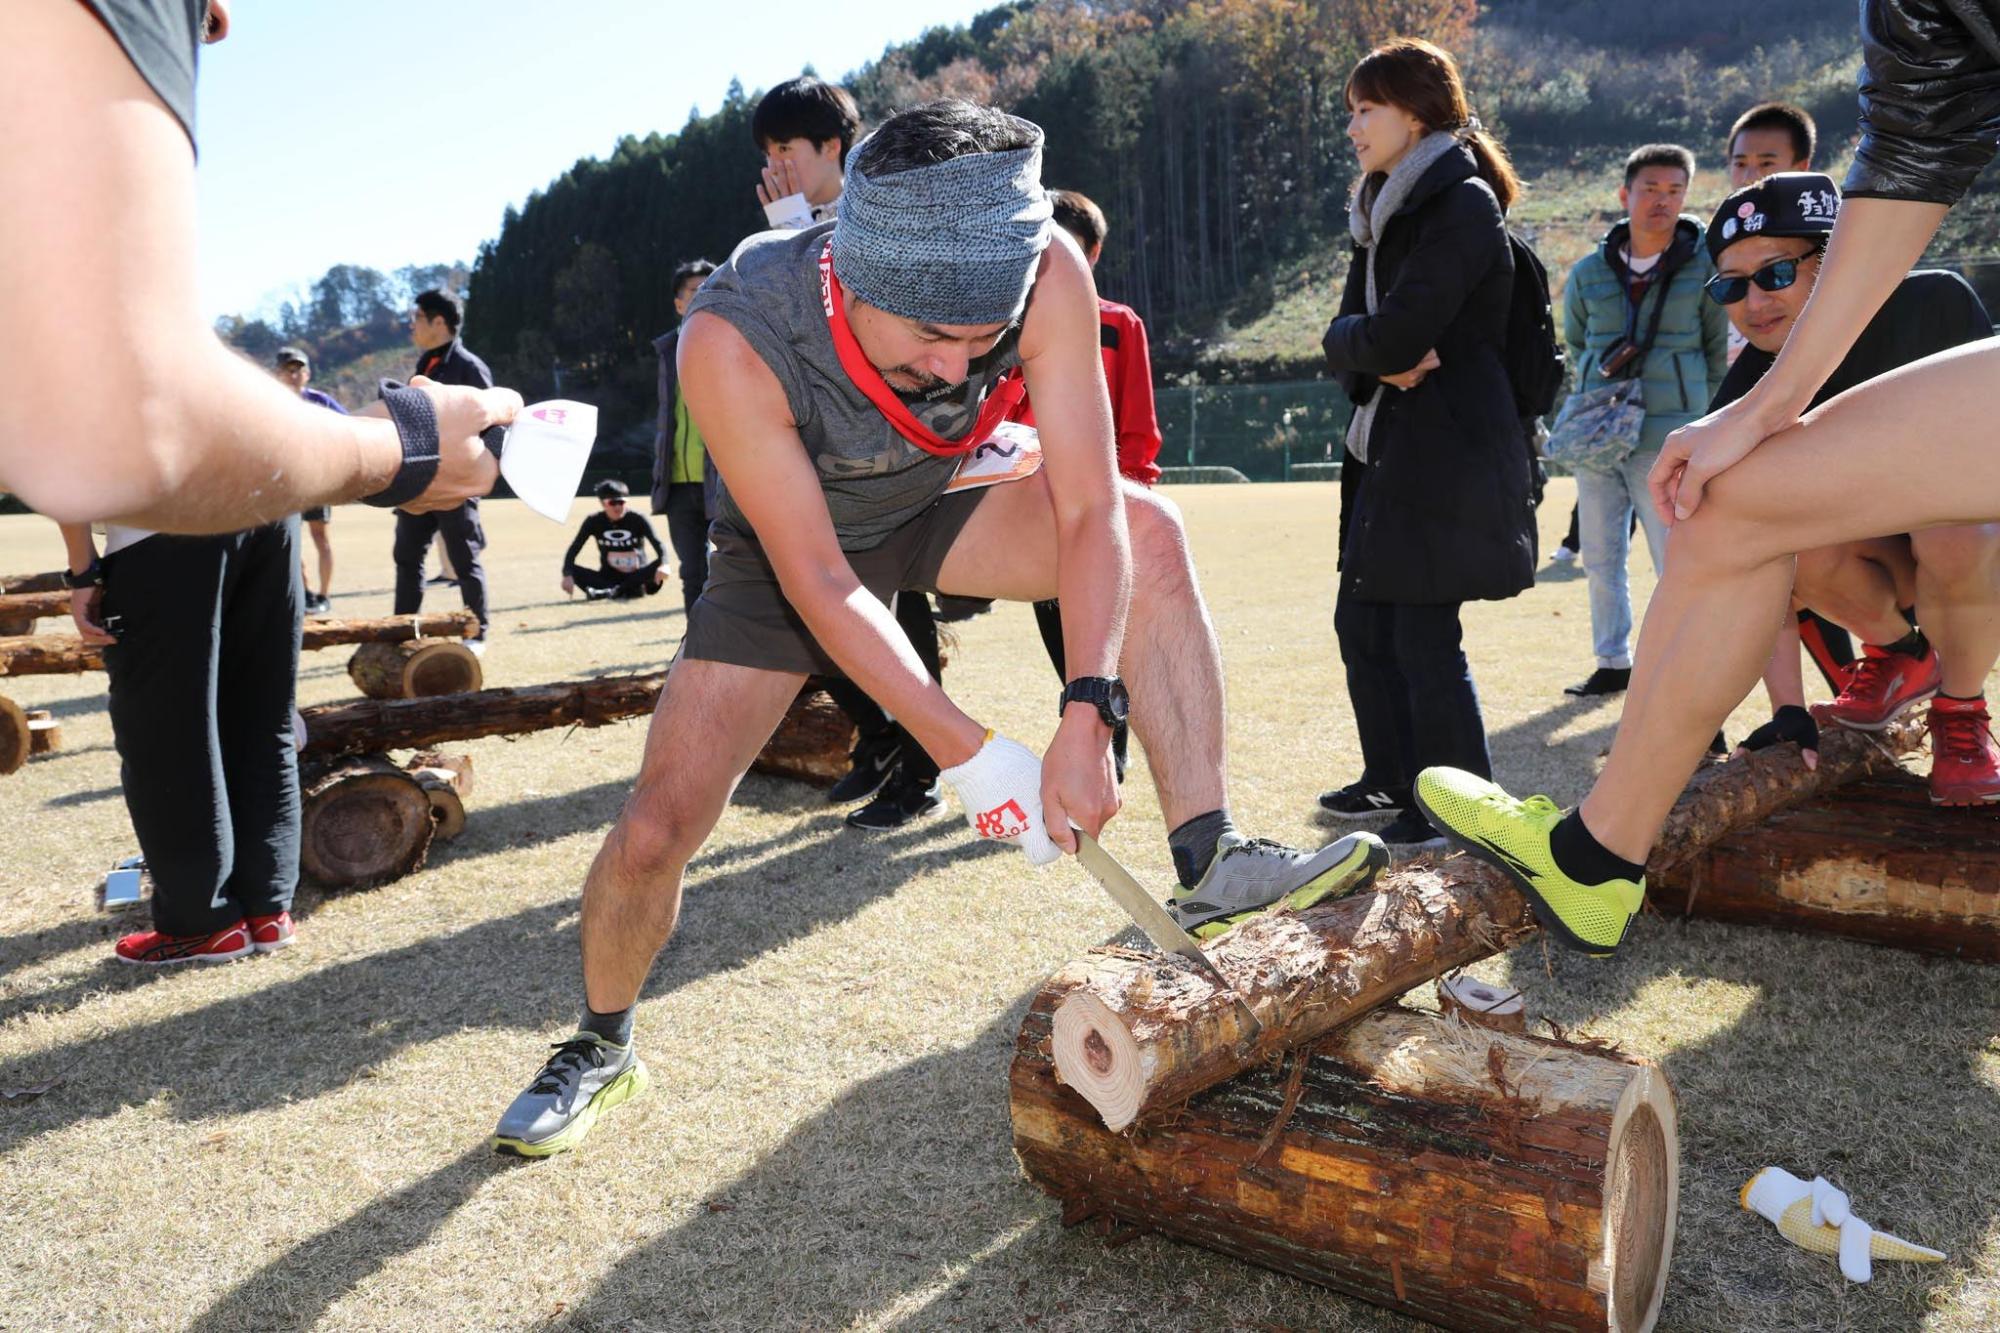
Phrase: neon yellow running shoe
pixel 1481 820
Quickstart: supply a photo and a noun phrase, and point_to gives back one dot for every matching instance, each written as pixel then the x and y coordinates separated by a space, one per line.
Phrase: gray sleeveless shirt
pixel 874 480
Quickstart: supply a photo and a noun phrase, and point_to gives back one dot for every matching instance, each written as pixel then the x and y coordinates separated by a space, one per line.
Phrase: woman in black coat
pixel 1435 487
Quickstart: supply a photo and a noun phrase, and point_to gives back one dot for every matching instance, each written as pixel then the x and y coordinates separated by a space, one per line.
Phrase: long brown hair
pixel 1422 79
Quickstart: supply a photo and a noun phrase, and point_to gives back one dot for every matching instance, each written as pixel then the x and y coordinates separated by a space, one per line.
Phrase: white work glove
pixel 1830 1207
pixel 1001 790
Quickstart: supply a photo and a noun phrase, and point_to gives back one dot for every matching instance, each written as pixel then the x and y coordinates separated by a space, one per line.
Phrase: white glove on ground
pixel 1001 790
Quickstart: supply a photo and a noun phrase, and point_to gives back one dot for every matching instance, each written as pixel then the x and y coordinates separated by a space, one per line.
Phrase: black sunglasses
pixel 1773 277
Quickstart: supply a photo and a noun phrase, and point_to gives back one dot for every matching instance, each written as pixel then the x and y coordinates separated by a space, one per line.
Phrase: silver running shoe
pixel 1250 875
pixel 586 1077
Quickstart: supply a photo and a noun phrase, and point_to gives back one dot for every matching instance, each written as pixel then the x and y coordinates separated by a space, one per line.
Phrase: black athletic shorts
pixel 742 616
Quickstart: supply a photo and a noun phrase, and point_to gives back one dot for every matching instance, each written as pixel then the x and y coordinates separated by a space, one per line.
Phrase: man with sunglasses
pixel 623 571
pixel 1767 240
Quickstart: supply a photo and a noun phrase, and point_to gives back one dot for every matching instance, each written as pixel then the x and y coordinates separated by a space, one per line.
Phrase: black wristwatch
pixel 90 578
pixel 1105 693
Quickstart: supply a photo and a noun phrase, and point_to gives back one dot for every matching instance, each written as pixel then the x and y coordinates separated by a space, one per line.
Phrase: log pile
pixel 67 654
pixel 414 669
pixel 1478 1180
pixel 1874 861
pixel 1137 1034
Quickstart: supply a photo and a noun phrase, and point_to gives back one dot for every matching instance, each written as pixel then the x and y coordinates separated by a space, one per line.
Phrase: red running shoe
pixel 1965 763
pixel 1882 688
pixel 268 934
pixel 149 948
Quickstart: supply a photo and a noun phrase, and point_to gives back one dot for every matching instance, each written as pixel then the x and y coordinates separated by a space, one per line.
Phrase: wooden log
pixel 459 766
pixel 328 632
pixel 812 744
pixel 15 744
pixel 1140 1032
pixel 32 606
pixel 44 732
pixel 414 724
pixel 14 629
pixel 447 807
pixel 67 654
pixel 1474 1179
pixel 49 582
pixel 414 669
pixel 365 822
pixel 1875 861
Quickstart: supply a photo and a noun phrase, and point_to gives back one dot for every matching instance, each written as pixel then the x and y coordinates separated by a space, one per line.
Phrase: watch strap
pixel 415 419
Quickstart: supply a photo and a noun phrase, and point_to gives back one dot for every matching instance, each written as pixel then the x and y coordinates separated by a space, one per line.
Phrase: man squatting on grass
pixel 117 401
pixel 1752 484
pixel 841 376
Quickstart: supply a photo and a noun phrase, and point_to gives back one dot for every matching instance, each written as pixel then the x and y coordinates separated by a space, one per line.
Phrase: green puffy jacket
pixel 1691 352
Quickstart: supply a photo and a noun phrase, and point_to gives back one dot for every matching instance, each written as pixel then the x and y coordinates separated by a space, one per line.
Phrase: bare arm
pixel 85 604
pixel 748 428
pixel 115 400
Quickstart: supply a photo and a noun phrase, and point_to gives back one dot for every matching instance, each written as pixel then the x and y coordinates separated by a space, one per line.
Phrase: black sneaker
pixel 899 802
pixel 1359 801
pixel 875 758
pixel 1409 833
pixel 1604 680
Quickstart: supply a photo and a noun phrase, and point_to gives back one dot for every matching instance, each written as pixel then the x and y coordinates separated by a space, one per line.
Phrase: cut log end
pixel 418 669
pixel 1642 1201
pixel 1484 1004
pixel 44 732
pixel 14 742
pixel 1097 1056
pixel 364 822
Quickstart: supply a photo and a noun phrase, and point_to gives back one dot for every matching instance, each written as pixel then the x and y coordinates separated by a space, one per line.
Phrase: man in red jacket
pixel 1128 374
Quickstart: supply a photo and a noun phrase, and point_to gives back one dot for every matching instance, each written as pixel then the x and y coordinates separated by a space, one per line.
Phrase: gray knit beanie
pixel 955 242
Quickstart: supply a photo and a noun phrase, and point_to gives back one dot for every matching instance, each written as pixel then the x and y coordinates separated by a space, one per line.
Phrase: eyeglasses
pixel 1773 277
pixel 610 501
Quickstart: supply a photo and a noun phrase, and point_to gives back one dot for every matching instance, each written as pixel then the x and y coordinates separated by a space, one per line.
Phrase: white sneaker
pixel 1562 556
pixel 477 647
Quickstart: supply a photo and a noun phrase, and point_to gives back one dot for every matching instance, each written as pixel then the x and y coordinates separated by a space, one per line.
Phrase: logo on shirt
pixel 1002 821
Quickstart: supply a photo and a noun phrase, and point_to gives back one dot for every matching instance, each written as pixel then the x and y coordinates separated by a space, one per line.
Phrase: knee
pixel 1157 533
pixel 1816 579
pixel 654 840
pixel 1956 554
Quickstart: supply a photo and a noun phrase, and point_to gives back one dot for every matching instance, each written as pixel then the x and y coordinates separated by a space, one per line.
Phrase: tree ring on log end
pixel 1641 1202
pixel 364 823
pixel 441 667
pixel 1098 1057
pixel 14 742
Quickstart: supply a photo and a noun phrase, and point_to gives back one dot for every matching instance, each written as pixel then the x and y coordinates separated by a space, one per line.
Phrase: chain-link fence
pixel 1267 432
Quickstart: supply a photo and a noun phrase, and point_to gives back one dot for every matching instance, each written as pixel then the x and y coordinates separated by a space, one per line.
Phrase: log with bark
pixel 66 654
pixel 1138 1033
pixel 811 744
pixel 1874 861
pixel 364 822
pixel 49 582
pixel 15 743
pixel 1475 1179
pixel 20 610
pixel 414 669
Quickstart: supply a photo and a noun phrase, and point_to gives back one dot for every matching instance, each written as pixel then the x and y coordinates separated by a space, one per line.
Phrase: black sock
pixel 614 1028
pixel 1913 644
pixel 1193 844
pixel 1584 858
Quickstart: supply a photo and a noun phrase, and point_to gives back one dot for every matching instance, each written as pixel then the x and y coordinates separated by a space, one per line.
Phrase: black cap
pixel 288 355
pixel 1785 203
pixel 612 489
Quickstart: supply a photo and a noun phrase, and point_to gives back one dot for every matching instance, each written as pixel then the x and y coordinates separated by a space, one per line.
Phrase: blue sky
pixel 379 133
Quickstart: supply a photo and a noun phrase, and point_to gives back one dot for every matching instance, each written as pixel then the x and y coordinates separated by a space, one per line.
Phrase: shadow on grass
pixel 70 798
pixel 318 1031
pixel 592 622
pixel 1859 1063
pixel 77 707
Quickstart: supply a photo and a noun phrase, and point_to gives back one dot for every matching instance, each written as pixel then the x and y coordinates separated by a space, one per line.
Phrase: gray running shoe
pixel 586 1077
pixel 1249 875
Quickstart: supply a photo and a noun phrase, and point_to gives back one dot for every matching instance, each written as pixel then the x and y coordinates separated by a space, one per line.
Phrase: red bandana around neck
pixel 1001 399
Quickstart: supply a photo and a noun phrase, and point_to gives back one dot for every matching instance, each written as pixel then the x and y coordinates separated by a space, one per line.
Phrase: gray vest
pixel 874 480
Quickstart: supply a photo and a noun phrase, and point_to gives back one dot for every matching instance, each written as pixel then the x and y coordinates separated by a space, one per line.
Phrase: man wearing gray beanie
pixel 853 382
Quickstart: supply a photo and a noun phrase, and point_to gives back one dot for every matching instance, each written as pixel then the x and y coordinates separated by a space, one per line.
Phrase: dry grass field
pixel 296 1141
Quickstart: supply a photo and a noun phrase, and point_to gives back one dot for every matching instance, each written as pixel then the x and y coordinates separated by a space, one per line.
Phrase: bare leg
pixel 1170 663
pixel 1708 627
pixel 1852 585
pixel 711 721
pixel 1958 605
pixel 324 541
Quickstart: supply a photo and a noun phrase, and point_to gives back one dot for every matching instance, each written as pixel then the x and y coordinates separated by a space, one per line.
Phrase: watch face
pixel 1120 702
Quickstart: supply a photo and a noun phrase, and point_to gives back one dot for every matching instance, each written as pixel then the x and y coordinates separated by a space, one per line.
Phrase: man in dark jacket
pixel 1764 278
pixel 1438 512
pixel 683 483
pixel 443 358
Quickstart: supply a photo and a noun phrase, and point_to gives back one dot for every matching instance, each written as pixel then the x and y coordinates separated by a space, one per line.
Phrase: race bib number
pixel 1011 452
pixel 625 562
pixel 1002 821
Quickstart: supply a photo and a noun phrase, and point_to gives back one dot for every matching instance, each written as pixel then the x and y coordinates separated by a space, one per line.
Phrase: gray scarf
pixel 1378 200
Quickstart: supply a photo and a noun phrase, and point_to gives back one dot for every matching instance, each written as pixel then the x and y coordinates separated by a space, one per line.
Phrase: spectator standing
pixel 1128 377
pixel 1651 259
pixel 623 571
pixel 201 649
pixel 1435 486
pixel 294 369
pixel 683 483
pixel 443 358
pixel 804 127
